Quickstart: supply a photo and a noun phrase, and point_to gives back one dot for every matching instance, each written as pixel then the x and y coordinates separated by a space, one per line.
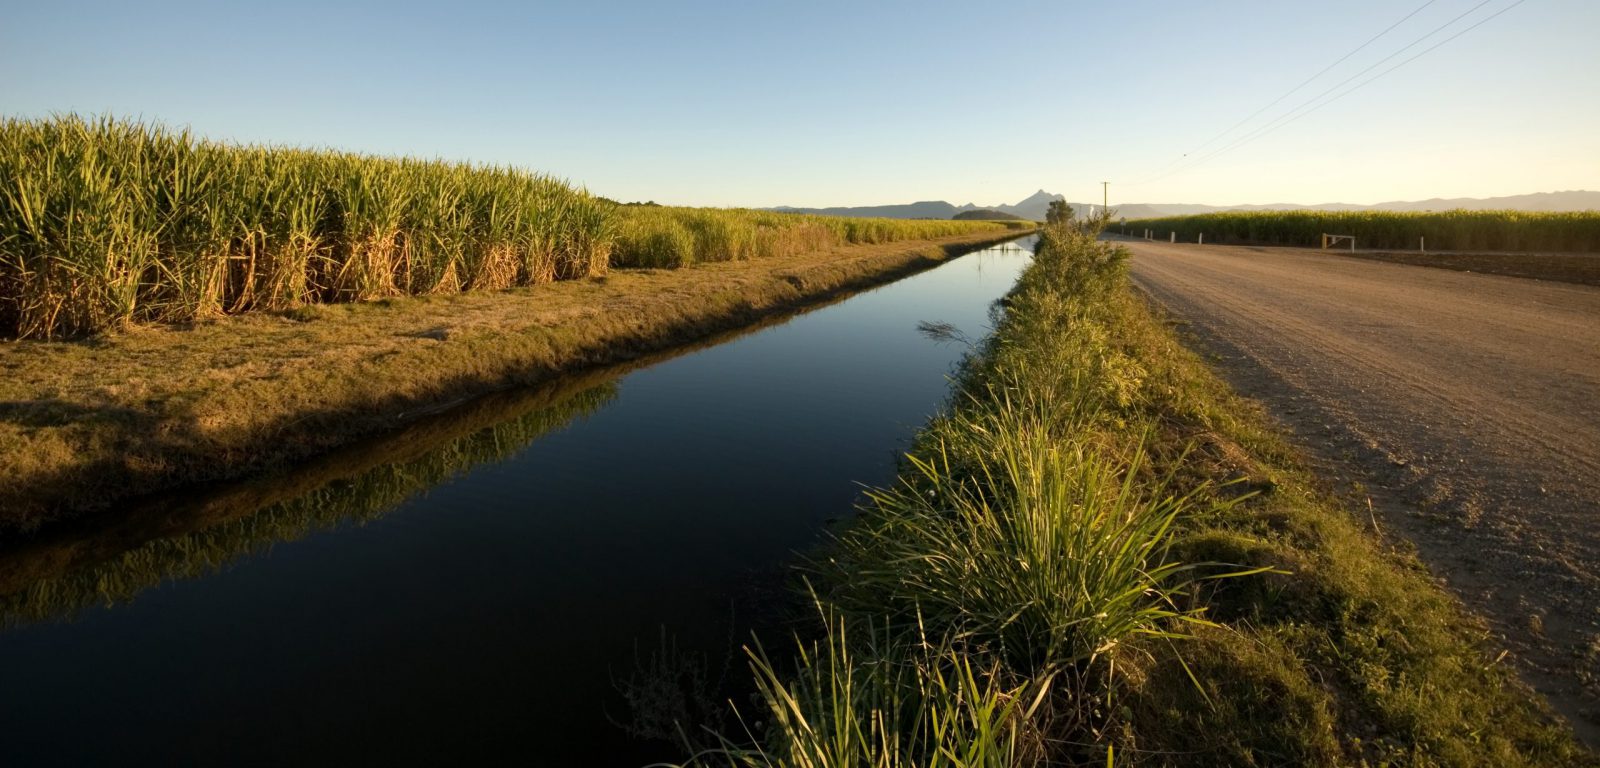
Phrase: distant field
pixel 1445 231
pixel 104 221
pixel 655 236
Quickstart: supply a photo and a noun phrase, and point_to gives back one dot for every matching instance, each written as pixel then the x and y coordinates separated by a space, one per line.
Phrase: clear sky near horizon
pixel 855 103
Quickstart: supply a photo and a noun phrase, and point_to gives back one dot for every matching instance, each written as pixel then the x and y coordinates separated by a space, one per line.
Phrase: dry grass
pixel 84 423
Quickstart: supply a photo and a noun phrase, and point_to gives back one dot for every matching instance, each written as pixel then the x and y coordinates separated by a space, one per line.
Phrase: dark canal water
pixel 478 588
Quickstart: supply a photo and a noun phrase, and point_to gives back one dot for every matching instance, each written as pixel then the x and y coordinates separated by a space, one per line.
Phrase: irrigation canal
pixel 483 586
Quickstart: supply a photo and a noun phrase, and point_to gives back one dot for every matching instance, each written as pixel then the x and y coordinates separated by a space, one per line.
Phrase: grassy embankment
pixel 272 303
pixel 1444 231
pixel 1101 554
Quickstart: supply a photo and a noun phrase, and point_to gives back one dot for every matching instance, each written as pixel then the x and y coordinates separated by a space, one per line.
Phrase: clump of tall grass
pixel 1029 520
pixel 1457 230
pixel 1048 548
pixel 104 221
pixel 863 695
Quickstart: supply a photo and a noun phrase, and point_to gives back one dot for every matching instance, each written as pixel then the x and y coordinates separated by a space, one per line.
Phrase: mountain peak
pixel 1039 197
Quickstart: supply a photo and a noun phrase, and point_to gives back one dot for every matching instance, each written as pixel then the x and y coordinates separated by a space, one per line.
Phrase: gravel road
pixel 1466 406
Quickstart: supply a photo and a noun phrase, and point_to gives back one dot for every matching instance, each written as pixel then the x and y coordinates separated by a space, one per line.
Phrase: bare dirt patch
pixel 1579 268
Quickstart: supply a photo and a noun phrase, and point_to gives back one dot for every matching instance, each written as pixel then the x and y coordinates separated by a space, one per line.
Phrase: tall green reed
pixel 106 221
pixel 861 695
pixel 1043 547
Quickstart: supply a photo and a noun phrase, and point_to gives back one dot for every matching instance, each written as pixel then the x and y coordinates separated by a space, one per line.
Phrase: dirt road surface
pixel 1466 406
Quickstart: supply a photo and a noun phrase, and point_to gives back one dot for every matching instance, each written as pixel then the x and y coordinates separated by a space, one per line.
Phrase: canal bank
pixel 486 586
pixel 86 424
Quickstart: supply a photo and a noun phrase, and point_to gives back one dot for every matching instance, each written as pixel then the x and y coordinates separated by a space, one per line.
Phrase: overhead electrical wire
pixel 1284 118
pixel 1311 105
pixel 1363 83
pixel 1309 80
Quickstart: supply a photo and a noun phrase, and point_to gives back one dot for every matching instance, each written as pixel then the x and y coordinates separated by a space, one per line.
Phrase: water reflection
pixel 111 558
pixel 59 574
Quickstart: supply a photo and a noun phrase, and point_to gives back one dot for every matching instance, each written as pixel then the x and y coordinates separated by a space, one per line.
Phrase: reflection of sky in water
pixel 494 611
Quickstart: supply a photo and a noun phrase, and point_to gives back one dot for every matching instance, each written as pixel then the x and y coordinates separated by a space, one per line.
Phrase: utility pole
pixel 1105 195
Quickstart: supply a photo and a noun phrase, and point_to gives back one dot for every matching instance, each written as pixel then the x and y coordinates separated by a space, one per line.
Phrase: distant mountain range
pixel 1034 205
pixel 984 214
pixel 1031 207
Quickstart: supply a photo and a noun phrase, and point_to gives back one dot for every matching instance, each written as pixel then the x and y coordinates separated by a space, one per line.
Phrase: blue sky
pixel 821 103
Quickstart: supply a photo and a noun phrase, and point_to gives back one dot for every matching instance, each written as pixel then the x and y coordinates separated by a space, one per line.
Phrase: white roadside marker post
pixel 1422 244
pixel 1174 238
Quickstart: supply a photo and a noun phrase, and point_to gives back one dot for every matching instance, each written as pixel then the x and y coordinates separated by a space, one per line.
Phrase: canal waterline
pixel 491 617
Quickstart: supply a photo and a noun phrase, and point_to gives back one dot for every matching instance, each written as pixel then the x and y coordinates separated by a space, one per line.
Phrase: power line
pixel 1296 113
pixel 1363 83
pixel 1309 80
pixel 1275 123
